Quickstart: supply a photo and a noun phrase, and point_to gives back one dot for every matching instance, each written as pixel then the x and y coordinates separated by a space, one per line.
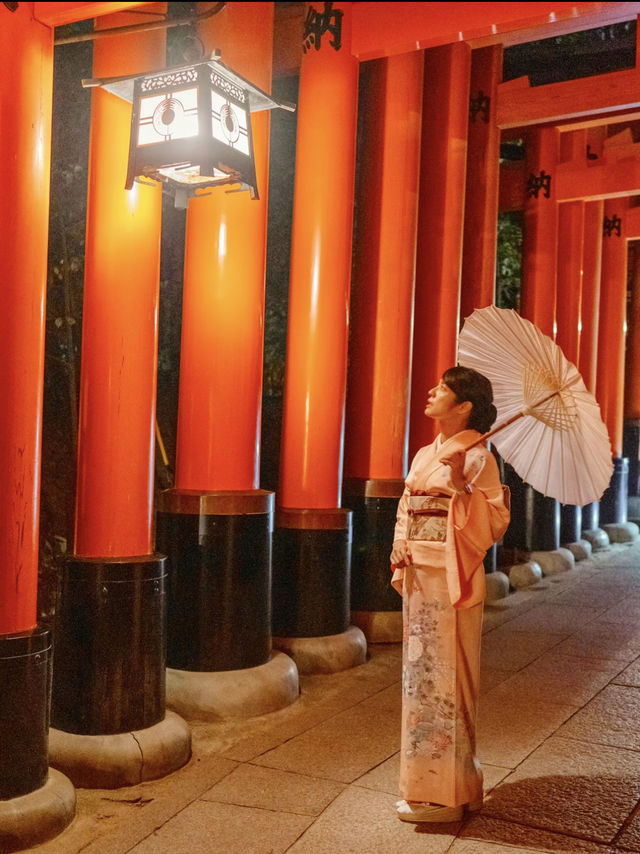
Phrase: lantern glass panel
pixel 171 115
pixel 229 123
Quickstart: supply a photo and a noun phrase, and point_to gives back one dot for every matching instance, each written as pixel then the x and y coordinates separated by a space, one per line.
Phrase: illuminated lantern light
pixel 191 126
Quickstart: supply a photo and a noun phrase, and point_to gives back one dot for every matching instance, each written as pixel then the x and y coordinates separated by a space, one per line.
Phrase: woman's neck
pixel 450 426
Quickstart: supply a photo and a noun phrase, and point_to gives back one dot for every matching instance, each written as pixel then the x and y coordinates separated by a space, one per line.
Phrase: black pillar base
pixel 374 504
pixel 613 504
pixel 110 641
pixel 218 547
pixel 631 450
pixel 25 680
pixel 570 523
pixel 535 518
pixel 591 516
pixel 311 573
pixel 545 523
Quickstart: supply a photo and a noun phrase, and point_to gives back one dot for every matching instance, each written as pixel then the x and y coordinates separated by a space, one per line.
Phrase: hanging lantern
pixel 191 126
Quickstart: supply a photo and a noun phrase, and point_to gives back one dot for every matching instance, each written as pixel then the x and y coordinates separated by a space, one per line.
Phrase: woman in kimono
pixel 451 512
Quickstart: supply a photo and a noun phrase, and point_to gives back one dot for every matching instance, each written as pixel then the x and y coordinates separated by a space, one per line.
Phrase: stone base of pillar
pixel 580 550
pixel 622 532
pixel 32 819
pixel 553 561
pixel 379 626
pixel 123 759
pixel 524 574
pixel 200 696
pixel 497 586
pixel 328 654
pixel 597 538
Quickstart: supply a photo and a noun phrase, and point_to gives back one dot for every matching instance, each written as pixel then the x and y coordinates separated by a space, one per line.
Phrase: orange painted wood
pixel 382 29
pixel 26 84
pixel 632 224
pixel 632 358
pixel 220 396
pixel 540 235
pixel 116 434
pixel 483 180
pixel 611 332
pixel 57 14
pixel 570 100
pixel 445 112
pixel 591 274
pixel 569 302
pixel 313 416
pixel 513 180
pixel 384 269
pixel 620 178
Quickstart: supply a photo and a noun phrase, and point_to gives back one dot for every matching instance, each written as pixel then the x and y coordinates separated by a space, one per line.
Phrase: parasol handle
pixel 513 418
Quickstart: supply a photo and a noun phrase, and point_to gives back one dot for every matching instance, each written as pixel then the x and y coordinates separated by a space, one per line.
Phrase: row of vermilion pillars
pixel 109 675
pixel 574 290
pixel 216 524
pixel 401 115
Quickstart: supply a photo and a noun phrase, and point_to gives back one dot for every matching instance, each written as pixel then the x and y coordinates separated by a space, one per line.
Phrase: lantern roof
pixel 123 86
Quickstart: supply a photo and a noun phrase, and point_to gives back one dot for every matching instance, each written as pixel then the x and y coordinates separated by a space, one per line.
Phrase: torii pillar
pixel 381 322
pixel 312 545
pixel 478 276
pixel 571 220
pixel 588 355
pixel 611 357
pixel 541 529
pixel 108 709
pixel 216 525
pixel 631 434
pixel 445 114
pixel 36 802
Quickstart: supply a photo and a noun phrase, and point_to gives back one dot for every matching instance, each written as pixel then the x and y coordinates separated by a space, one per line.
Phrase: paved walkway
pixel 559 737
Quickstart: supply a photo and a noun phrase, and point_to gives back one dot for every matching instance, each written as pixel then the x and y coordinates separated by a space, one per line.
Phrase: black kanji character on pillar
pixel 535 183
pixel 318 23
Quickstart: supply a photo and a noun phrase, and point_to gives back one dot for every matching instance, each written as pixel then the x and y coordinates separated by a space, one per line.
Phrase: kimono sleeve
pixel 474 524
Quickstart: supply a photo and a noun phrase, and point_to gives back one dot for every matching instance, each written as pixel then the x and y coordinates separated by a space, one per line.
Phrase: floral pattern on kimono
pixel 443 592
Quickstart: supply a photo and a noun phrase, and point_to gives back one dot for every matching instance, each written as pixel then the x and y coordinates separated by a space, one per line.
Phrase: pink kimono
pixel 443 592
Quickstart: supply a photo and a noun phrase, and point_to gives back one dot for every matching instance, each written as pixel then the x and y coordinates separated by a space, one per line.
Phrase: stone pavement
pixel 559 737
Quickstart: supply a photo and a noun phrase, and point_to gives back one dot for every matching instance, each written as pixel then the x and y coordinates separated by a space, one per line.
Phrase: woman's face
pixel 441 402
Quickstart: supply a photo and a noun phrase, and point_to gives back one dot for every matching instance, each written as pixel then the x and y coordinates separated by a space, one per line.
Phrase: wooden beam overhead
pixel 575 103
pixel 385 29
pixel 58 14
pixel 611 180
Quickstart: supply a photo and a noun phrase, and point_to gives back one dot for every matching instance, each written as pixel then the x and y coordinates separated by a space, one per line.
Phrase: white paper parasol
pixel 549 426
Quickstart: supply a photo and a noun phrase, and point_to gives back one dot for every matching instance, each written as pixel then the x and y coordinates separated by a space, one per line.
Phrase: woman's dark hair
pixel 468 384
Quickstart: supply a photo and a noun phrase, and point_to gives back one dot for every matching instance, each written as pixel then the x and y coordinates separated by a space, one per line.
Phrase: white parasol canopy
pixel 549 426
